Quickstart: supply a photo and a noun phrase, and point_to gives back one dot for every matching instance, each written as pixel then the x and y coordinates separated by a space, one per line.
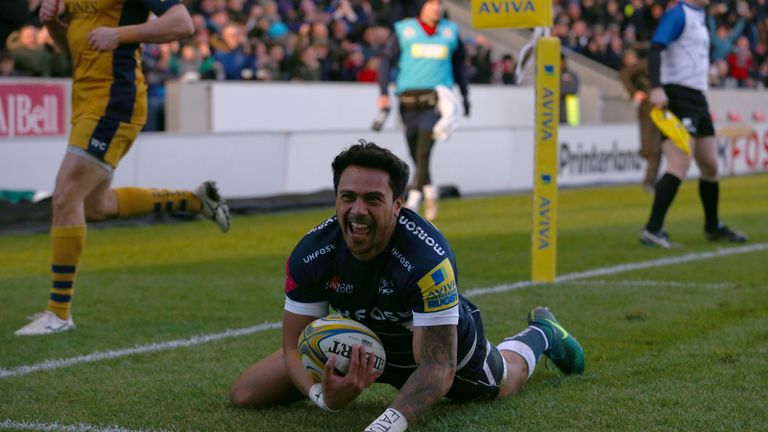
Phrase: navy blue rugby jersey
pixel 414 282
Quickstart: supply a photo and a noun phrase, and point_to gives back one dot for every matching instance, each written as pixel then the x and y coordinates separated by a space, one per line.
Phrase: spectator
pixel 7 66
pixel 569 94
pixel 306 66
pixel 218 21
pixel 329 69
pixel 639 16
pixel 719 75
pixel 352 65
pixel 760 54
pixel 507 67
pixel 740 62
pixel 236 11
pixel 762 75
pixel 234 59
pixel 612 14
pixel 270 11
pixel 482 67
pixel 192 62
pixel 369 72
pixel 353 16
pixel 590 12
pixel 60 63
pixel 155 62
pixel 275 63
pixel 578 38
pixel 721 38
pixel 318 33
pixel 339 28
pixel 339 36
pixel 614 53
pixel 373 40
pixel 256 25
pixel 634 76
pixel 594 50
pixel 31 58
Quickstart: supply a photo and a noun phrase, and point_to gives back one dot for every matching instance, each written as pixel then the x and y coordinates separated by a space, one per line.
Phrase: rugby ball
pixel 335 336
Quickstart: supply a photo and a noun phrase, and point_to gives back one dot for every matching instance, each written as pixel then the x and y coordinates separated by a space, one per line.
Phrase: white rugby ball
pixel 335 336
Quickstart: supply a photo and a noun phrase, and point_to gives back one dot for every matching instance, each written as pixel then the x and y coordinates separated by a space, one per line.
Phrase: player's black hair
pixel 369 155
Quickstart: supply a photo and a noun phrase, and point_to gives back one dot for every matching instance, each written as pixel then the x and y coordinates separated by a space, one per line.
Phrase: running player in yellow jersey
pixel 109 105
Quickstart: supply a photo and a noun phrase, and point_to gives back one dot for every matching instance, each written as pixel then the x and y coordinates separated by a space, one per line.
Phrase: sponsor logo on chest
pixel 335 285
pixel 322 251
pixel 386 287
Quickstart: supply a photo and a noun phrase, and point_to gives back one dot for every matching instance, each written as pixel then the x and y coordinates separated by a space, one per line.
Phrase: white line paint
pixel 56 427
pixel 621 268
pixel 201 339
pixel 139 349
pixel 664 262
pixel 653 283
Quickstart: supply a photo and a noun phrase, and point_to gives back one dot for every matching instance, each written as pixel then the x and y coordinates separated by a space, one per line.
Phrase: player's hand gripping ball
pixel 335 336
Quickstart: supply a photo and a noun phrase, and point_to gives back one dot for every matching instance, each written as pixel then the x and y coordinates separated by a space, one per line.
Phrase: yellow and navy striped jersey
pixel 109 84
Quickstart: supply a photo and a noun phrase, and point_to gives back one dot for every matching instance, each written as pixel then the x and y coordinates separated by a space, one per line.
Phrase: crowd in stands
pixel 603 29
pixel 338 40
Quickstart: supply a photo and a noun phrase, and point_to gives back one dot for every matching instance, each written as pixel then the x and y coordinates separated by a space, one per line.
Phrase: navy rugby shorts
pixel 690 106
pixel 479 378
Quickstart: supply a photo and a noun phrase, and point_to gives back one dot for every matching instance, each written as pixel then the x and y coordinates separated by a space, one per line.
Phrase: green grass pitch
pixel 680 346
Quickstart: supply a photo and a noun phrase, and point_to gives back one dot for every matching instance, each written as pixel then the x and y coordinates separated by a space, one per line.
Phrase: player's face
pixel 366 210
pixel 431 11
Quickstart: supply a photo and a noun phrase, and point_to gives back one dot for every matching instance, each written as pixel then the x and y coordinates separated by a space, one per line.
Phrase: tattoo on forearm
pixel 437 365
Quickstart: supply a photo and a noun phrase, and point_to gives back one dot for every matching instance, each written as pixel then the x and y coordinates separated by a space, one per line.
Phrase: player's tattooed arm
pixel 435 351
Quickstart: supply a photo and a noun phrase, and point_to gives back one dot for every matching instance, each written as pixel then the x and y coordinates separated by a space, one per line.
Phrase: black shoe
pixel 723 233
pixel 655 238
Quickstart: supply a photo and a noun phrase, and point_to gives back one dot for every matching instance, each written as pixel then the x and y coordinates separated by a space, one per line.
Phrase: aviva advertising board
pixel 511 13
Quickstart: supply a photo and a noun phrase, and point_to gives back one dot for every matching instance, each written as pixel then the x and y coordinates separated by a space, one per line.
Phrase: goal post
pixel 547 100
pixel 536 14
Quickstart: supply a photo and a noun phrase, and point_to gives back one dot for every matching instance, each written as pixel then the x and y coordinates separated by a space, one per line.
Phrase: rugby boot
pixel 214 206
pixel 723 233
pixel 46 323
pixel 656 238
pixel 564 350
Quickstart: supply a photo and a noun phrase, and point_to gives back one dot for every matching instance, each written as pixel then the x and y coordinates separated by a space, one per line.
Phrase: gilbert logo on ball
pixel 335 336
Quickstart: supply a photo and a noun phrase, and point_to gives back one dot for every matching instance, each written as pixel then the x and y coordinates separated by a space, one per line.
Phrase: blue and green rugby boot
pixel 564 350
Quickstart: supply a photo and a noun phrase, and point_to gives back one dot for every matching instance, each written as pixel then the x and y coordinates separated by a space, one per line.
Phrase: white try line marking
pixel 202 339
pixel 654 283
pixel 621 268
pixel 80 427
pixel 139 349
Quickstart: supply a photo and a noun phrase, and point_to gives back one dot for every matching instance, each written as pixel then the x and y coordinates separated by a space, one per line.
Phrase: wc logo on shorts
pixel 98 145
pixel 438 288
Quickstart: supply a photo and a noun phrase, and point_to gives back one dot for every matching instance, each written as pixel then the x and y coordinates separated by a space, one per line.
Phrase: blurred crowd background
pixel 340 40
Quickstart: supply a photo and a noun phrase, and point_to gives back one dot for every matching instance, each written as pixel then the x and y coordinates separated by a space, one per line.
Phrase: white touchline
pixel 201 339
pixel 56 427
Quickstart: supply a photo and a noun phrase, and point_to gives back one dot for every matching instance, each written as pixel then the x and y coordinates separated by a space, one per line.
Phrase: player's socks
pixel 134 201
pixel 414 199
pixel 666 189
pixel 66 247
pixel 529 344
pixel 709 192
